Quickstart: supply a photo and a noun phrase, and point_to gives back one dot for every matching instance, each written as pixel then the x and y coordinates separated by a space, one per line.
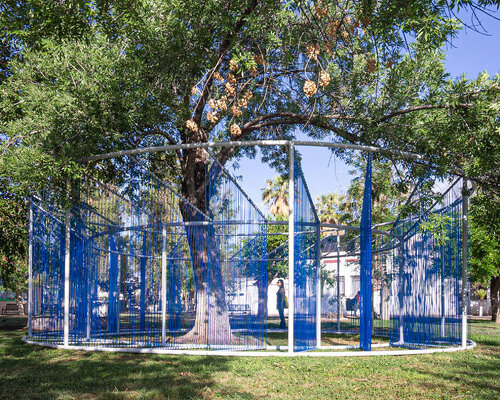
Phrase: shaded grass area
pixel 32 372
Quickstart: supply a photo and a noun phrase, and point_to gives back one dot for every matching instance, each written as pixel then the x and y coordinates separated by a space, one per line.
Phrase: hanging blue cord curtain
pixel 365 331
pixel 427 279
pixel 126 232
pixel 305 269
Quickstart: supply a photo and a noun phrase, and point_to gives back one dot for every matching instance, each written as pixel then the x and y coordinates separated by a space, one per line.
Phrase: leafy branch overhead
pixel 115 76
pixel 86 77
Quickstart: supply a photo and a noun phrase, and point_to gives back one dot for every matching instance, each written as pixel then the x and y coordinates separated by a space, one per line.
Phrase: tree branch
pixel 224 47
pixel 166 135
pixel 288 118
pixel 284 118
pixel 419 108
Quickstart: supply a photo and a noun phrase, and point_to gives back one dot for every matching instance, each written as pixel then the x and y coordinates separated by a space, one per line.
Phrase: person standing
pixel 280 302
pixel 357 298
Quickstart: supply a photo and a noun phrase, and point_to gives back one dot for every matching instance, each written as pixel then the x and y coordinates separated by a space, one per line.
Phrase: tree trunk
pixel 20 304
pixel 263 290
pixel 495 299
pixel 211 324
pixel 262 307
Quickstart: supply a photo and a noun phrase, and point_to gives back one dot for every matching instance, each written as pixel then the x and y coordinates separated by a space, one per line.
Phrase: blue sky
pixel 473 52
pixel 470 53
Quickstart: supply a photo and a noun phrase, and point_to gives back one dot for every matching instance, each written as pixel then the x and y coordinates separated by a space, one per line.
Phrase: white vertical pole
pixel 118 289
pixel 465 206
pixel 339 303
pixel 67 259
pixel 443 305
pixel 163 284
pixel 291 245
pixel 87 265
pixel 401 293
pixel 318 286
pixel 30 270
pixel 89 314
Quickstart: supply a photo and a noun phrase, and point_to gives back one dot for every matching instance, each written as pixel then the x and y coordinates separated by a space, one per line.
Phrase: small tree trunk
pixel 385 310
pixel 495 299
pixel 481 306
pixel 20 304
pixel 262 287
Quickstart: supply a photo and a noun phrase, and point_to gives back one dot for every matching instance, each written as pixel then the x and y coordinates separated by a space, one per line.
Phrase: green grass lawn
pixel 32 372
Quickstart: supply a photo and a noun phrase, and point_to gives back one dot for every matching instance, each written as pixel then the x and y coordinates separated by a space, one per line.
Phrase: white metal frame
pixel 318 287
pixel 470 345
pixel 339 303
pixel 465 254
pixel 251 143
pixel 291 246
pixel 30 270
pixel 67 260
pixel 290 144
pixel 163 283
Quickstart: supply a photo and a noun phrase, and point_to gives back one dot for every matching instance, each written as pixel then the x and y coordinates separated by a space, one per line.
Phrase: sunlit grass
pixel 32 372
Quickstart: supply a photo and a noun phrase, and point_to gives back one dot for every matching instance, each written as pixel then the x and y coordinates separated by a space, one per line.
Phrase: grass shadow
pixel 33 372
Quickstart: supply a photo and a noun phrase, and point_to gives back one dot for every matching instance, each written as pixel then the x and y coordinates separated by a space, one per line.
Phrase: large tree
pixel 485 247
pixel 13 271
pixel 115 75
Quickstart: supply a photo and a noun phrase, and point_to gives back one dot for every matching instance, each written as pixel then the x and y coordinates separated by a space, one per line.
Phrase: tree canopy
pixel 99 76
pixel 485 246
pixel 13 268
pixel 86 77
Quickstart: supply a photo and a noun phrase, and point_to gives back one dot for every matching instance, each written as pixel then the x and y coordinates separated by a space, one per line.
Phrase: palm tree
pixel 387 195
pixel 276 195
pixel 331 208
